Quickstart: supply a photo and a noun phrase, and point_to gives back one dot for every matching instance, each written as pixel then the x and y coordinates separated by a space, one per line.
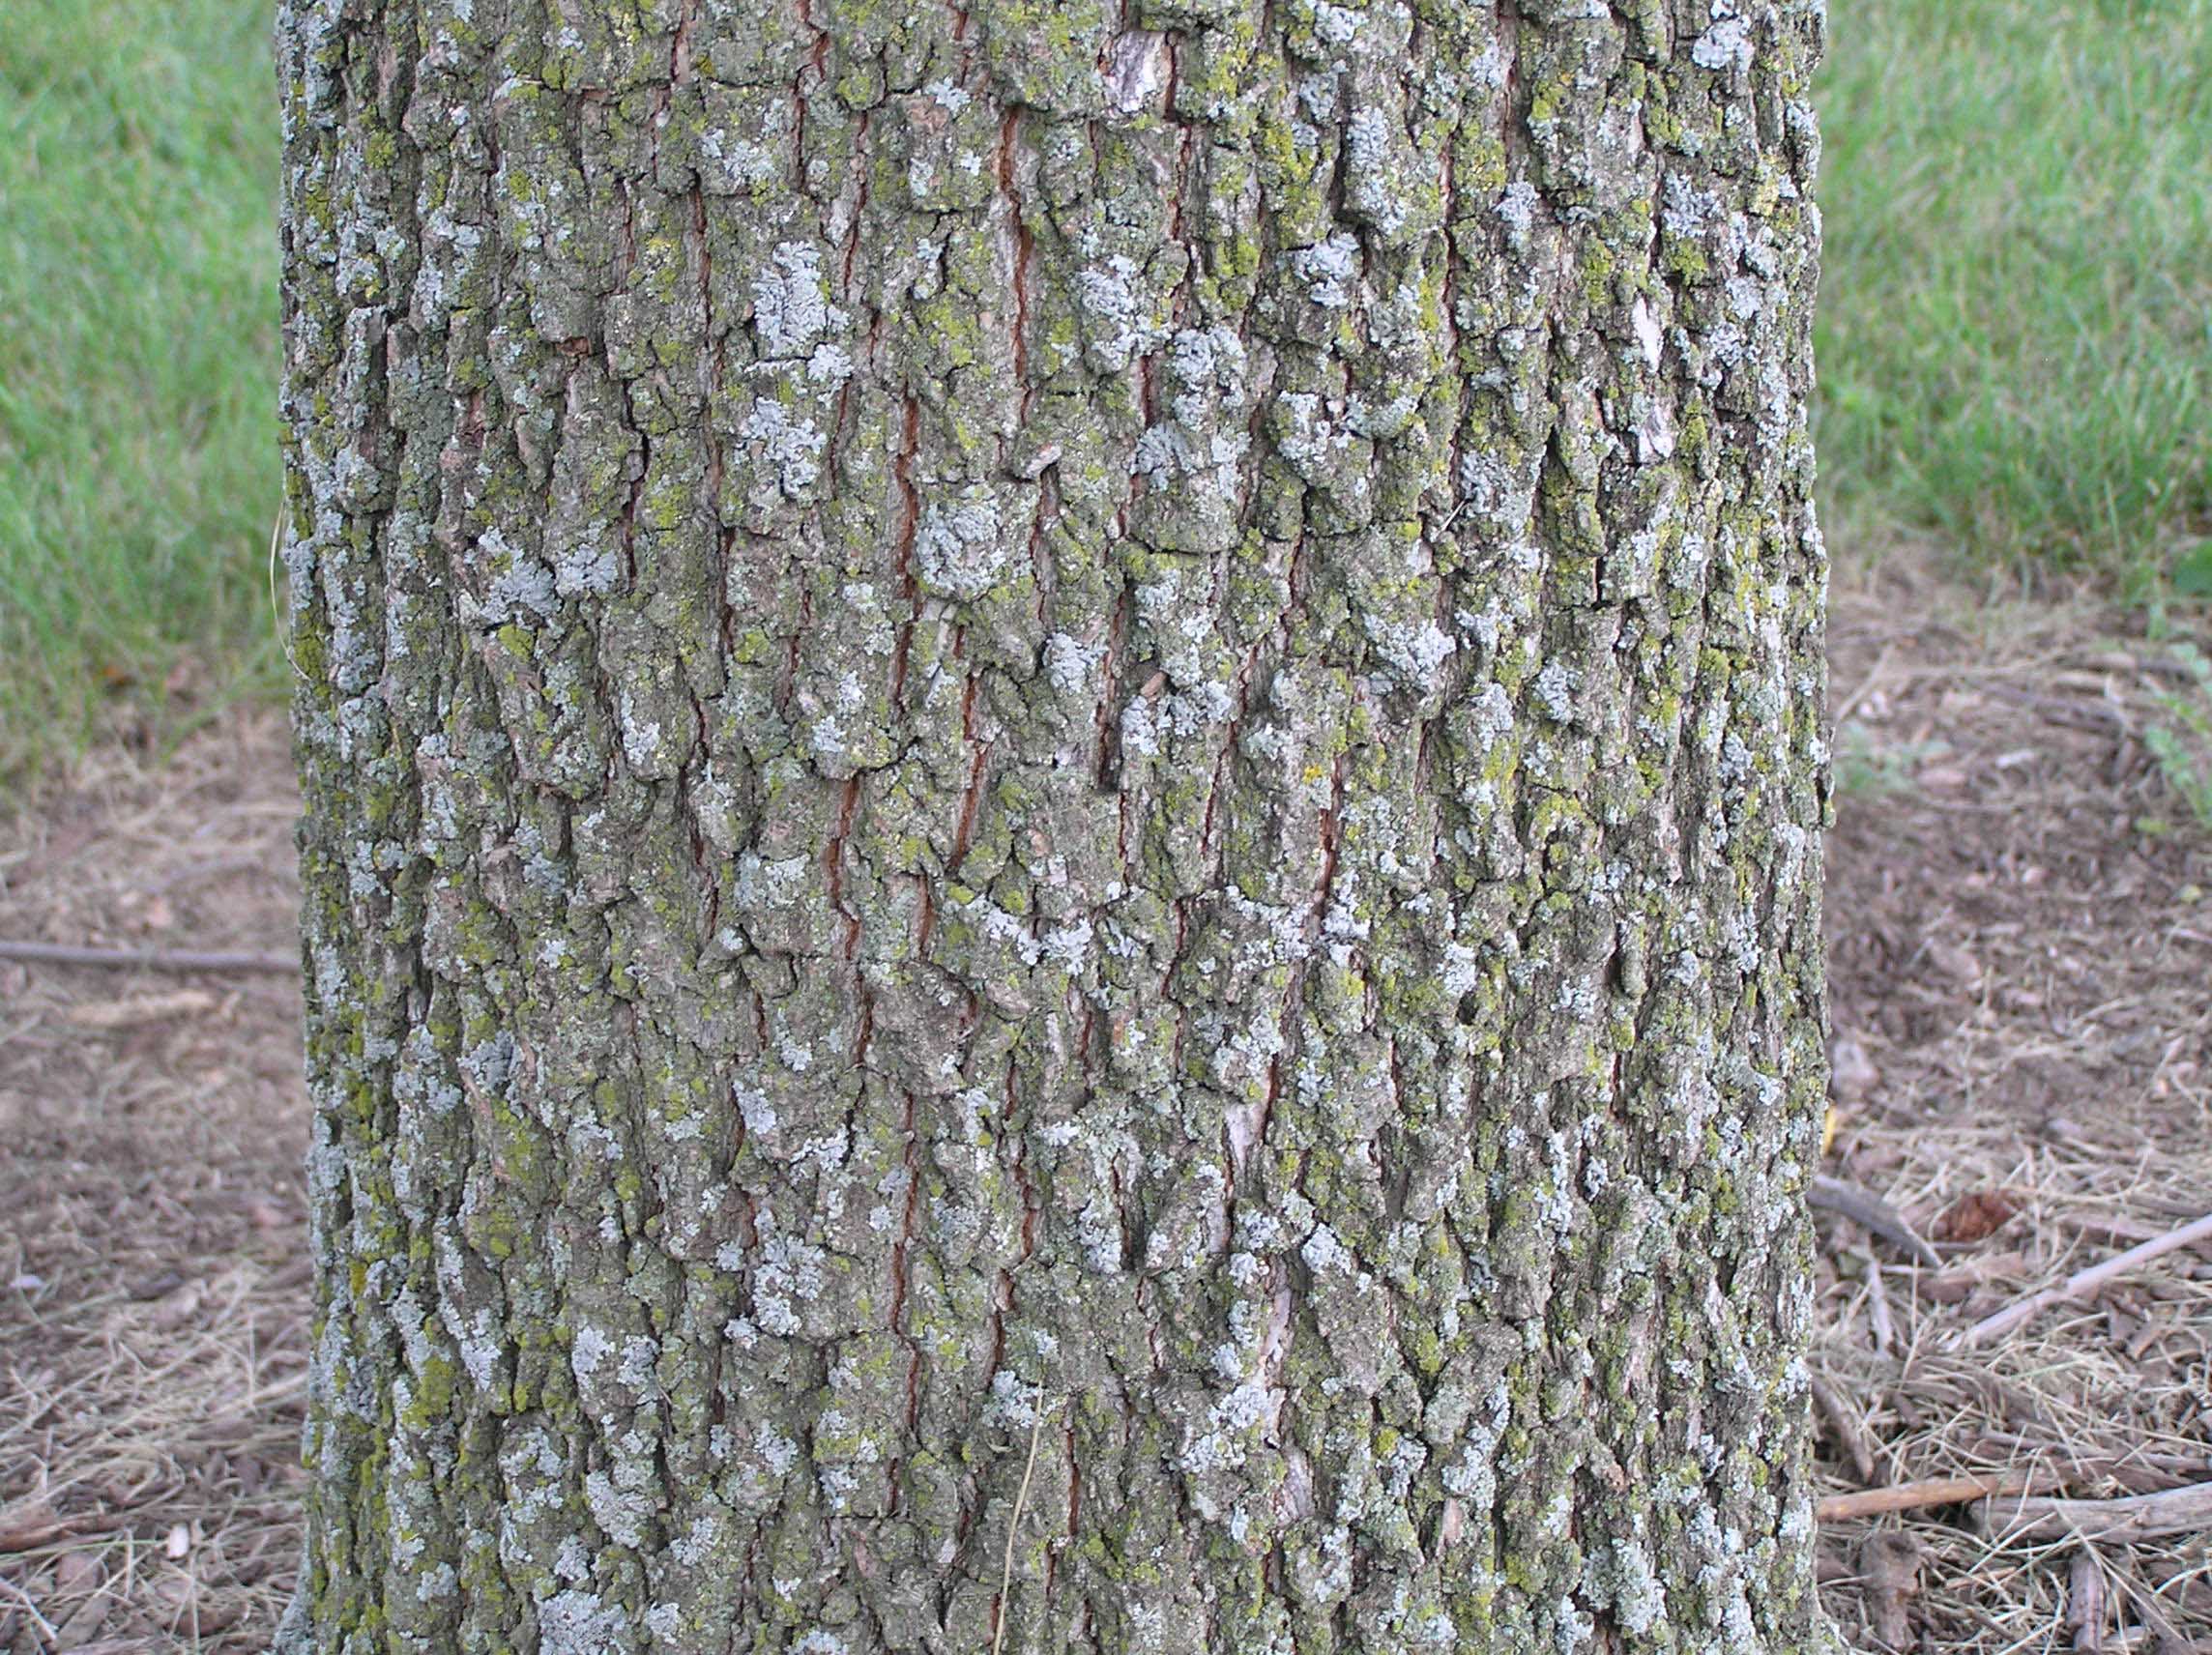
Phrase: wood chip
pixel 144 1009
pixel 1889 1563
pixel 1960 1283
pixel 178 1307
pixel 30 1523
pixel 1844 1419
pixel 1851 1073
pixel 2085 1604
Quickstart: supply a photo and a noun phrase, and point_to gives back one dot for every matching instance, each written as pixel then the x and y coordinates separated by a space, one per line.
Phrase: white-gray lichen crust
pixel 1048 721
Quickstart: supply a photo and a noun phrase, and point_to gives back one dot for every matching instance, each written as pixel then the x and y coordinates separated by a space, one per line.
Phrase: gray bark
pixel 1045 730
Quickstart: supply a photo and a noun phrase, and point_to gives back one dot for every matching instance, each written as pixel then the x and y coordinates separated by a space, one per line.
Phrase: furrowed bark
pixel 1065 725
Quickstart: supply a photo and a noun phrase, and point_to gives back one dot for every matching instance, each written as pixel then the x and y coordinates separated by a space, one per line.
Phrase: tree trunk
pixel 1063 780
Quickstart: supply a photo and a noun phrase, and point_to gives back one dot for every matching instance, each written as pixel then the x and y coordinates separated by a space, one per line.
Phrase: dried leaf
pixel 1976 1216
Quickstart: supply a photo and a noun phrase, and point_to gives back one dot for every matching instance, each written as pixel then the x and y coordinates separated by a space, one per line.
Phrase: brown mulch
pixel 152 1274
pixel 2022 947
pixel 2020 967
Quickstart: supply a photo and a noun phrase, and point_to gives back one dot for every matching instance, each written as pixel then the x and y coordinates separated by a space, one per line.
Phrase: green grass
pixel 138 355
pixel 2183 748
pixel 2016 315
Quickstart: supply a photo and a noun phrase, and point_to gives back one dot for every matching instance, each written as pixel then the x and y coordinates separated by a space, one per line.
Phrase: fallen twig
pixel 2117 1230
pixel 1918 1496
pixel 2085 1282
pixel 1871 1214
pixel 2135 1517
pixel 2138 1471
pixel 149 959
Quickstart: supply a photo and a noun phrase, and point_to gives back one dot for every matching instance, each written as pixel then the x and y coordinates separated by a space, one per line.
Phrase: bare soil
pixel 2022 973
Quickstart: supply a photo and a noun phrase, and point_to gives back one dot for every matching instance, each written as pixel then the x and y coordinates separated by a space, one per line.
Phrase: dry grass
pixel 2020 986
pixel 2020 946
pixel 153 1283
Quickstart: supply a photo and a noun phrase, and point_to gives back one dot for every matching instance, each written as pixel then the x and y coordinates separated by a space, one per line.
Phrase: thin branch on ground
pixel 151 959
pixel 1917 1497
pixel 2083 1283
